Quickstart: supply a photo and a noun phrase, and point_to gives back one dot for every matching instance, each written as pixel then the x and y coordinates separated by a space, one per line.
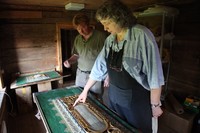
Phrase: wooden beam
pixel 1 80
pixel 20 14
pixel 30 7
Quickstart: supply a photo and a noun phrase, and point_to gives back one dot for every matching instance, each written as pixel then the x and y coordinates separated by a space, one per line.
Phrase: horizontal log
pixel 26 54
pixel 20 14
pixel 30 66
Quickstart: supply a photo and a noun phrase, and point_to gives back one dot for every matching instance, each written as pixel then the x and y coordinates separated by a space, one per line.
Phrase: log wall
pixel 28 40
pixel 185 65
pixel 28 44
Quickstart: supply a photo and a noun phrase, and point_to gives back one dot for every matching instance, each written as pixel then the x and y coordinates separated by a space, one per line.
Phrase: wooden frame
pixel 60 26
pixel 1 80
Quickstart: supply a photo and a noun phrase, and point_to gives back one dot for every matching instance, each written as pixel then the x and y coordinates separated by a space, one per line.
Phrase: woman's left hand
pixel 156 111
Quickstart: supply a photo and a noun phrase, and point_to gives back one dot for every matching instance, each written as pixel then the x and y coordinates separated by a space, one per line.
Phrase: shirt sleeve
pixel 153 63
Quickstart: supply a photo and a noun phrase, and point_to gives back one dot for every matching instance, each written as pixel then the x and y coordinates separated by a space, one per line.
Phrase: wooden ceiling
pixel 90 4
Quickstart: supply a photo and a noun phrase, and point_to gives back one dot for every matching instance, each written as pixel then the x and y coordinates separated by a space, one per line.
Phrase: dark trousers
pixel 133 106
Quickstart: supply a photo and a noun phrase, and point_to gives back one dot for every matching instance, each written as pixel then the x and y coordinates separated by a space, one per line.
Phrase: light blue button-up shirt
pixel 141 57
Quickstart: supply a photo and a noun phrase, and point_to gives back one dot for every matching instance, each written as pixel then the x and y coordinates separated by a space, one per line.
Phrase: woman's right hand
pixel 82 98
pixel 106 82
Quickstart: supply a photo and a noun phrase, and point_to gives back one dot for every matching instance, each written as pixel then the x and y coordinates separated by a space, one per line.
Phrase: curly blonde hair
pixel 118 12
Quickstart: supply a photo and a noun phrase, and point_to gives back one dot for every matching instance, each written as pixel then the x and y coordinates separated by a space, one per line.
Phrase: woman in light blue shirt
pixel 131 58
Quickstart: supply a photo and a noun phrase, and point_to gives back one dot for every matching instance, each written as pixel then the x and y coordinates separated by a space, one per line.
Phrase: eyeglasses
pixel 115 61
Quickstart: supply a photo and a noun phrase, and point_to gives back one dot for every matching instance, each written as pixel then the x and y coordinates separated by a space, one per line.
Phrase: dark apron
pixel 127 97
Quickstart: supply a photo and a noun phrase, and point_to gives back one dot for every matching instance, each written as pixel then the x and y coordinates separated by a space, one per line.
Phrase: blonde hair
pixel 116 11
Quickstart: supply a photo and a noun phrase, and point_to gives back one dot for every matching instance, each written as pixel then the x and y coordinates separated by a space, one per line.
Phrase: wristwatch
pixel 156 105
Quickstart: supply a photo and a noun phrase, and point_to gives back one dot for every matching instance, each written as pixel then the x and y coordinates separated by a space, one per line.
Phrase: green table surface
pixel 50 75
pixel 50 118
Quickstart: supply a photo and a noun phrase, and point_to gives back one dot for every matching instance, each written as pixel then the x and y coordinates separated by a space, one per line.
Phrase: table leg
pixel 45 86
pixel 24 99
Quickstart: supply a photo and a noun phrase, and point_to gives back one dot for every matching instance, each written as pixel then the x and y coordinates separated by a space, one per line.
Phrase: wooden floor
pixel 25 123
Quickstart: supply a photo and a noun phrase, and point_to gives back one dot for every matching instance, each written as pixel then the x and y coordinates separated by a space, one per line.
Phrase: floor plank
pixel 25 123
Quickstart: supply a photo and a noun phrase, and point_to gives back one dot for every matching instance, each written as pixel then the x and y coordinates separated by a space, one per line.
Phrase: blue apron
pixel 126 96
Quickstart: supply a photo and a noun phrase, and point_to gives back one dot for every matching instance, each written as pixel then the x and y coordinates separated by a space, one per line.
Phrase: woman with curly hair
pixel 130 57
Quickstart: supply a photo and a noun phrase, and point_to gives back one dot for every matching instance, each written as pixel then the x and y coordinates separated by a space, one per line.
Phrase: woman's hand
pixel 82 98
pixel 106 82
pixel 156 111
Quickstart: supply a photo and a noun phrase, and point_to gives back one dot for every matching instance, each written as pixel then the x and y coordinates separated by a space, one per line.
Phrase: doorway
pixel 67 41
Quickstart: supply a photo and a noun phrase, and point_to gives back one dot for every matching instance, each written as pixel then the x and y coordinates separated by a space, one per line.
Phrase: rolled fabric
pixel 154 125
pixel 175 104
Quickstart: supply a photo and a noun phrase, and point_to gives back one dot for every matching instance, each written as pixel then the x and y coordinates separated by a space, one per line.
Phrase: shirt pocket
pixel 133 66
pixel 92 53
